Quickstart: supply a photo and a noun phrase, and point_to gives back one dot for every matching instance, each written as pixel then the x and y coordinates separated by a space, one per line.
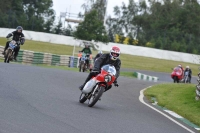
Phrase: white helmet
pixel 187 67
pixel 179 66
pixel 115 53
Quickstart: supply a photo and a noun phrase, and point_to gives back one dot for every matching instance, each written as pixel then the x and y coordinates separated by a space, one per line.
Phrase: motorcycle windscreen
pixel 178 70
pixel 82 58
pixel 110 69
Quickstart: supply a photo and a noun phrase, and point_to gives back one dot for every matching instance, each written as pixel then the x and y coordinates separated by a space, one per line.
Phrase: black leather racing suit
pixel 104 60
pixel 17 36
pixel 97 56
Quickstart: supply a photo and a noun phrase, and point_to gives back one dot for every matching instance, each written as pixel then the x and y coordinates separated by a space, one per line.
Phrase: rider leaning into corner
pixel 109 58
pixel 18 36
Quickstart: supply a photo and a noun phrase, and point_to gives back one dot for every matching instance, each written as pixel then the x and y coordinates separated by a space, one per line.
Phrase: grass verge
pixel 179 98
pixel 128 61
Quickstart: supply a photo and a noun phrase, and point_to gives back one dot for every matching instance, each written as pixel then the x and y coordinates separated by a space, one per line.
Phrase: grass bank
pixel 128 61
pixel 179 98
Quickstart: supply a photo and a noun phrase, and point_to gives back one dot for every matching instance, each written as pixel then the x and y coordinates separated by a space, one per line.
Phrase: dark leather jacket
pixel 97 56
pixel 17 36
pixel 104 60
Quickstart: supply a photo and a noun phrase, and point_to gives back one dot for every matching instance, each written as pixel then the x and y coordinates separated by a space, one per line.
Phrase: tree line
pixel 170 25
pixel 34 15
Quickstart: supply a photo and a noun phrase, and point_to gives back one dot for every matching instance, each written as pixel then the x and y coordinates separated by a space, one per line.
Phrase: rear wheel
pixel 82 98
pixel 95 97
pixel 81 66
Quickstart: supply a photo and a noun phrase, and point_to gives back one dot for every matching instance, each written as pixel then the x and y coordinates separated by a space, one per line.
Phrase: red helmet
pixel 114 53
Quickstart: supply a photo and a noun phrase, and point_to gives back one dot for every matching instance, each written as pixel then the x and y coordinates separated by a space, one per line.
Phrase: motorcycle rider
pixel 86 50
pixel 180 66
pixel 100 53
pixel 109 58
pixel 187 69
pixel 18 36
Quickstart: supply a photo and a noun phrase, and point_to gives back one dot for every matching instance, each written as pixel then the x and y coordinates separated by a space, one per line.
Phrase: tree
pixel 36 15
pixel 57 29
pixel 68 31
pixel 91 28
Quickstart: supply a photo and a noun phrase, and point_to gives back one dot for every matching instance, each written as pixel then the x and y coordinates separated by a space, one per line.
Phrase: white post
pixel 106 4
pixel 74 50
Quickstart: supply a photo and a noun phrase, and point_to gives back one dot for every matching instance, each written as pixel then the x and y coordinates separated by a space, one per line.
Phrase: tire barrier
pixel 197 97
pixel 31 57
pixel 141 76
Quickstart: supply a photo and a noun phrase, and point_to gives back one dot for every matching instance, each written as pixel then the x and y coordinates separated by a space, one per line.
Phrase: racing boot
pixel 82 86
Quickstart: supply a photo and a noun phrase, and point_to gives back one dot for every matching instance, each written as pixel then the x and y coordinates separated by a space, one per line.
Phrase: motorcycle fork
pixel 91 94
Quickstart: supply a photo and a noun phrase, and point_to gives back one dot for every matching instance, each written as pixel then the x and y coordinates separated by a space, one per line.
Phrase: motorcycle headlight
pixel 107 78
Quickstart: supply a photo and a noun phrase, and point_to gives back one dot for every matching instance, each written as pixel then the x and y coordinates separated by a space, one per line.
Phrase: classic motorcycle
pixel 10 51
pixel 84 61
pixel 96 86
pixel 176 75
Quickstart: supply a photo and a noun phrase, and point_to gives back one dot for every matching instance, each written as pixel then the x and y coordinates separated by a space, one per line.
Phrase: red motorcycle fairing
pixel 177 72
pixel 101 77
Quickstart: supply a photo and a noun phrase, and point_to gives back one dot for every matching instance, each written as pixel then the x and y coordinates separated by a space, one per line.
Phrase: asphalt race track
pixel 41 100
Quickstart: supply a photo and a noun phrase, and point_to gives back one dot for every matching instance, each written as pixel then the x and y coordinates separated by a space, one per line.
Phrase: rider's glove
pixel 94 72
pixel 9 35
pixel 115 83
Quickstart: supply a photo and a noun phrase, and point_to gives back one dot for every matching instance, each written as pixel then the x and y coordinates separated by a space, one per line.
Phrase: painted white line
pixel 197 128
pixel 142 101
pixel 173 114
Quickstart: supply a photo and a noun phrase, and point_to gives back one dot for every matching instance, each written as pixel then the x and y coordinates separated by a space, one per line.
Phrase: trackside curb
pixel 145 77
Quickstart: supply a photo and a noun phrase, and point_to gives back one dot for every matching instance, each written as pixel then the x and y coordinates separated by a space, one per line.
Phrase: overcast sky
pixel 74 6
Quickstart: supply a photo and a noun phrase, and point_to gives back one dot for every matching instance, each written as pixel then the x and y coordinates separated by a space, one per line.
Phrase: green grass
pixel 179 98
pixel 127 74
pixel 128 61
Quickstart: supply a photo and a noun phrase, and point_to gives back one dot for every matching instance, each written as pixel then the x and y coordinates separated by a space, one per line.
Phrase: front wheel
pixel 175 79
pixel 82 98
pixel 95 97
pixel 7 56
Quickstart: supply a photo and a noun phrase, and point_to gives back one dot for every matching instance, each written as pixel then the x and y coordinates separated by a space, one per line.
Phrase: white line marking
pixel 173 114
pixel 142 101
